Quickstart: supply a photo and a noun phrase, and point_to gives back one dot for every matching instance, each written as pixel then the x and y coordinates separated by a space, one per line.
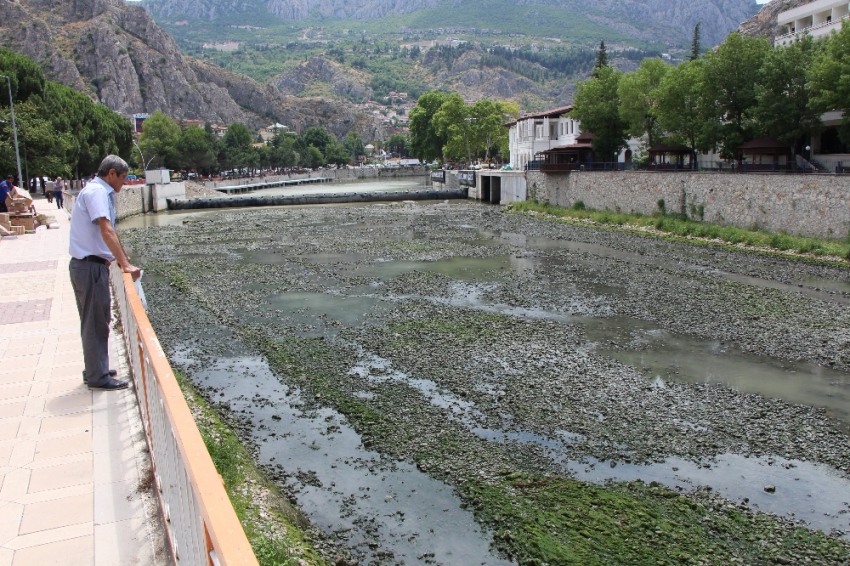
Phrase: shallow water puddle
pixel 369 503
pixel 812 287
pixel 811 492
pixel 687 359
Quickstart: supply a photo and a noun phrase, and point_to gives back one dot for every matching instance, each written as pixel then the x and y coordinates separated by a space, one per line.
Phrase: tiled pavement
pixel 73 462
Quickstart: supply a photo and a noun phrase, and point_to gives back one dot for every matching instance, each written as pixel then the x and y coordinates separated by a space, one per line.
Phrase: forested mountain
pixel 668 21
pixel 118 55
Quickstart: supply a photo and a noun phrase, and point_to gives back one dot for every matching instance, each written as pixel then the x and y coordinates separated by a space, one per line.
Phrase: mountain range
pixel 669 22
pixel 118 54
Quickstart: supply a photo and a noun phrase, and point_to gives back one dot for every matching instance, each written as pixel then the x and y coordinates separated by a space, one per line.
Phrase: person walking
pixel 94 246
pixel 58 192
pixel 48 190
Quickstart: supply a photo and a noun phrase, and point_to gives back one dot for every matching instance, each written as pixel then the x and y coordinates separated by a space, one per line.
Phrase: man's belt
pixel 95 259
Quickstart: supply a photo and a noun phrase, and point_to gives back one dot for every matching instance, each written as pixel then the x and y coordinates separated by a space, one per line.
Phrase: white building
pixel 817 18
pixel 534 133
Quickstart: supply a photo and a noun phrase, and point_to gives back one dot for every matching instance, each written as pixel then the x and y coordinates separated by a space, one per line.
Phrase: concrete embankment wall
pixel 337 175
pixel 811 205
pixel 326 198
pixel 138 199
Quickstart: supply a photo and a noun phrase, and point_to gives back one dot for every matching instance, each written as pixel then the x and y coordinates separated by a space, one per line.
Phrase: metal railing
pixel 202 527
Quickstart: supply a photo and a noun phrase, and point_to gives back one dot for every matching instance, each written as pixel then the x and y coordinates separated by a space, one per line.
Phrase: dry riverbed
pixel 446 383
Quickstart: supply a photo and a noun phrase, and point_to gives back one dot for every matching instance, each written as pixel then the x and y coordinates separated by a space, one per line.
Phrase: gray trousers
pixel 91 288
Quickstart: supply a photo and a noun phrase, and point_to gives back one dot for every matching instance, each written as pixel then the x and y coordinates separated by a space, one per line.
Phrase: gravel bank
pixel 461 339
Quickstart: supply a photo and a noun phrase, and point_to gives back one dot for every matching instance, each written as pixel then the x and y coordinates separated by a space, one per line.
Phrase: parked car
pixel 132 178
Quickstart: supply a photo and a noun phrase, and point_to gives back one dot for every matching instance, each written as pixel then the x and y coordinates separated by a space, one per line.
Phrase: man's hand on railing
pixel 134 271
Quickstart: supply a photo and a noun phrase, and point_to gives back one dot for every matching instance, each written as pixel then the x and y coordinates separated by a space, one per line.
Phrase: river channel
pixel 486 343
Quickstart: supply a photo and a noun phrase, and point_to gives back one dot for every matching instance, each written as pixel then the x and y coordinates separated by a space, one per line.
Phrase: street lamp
pixel 14 127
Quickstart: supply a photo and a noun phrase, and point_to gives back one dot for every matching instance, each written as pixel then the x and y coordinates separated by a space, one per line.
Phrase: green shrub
pixel 578 205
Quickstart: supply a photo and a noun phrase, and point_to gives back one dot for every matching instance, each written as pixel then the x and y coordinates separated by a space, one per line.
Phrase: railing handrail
pixel 221 533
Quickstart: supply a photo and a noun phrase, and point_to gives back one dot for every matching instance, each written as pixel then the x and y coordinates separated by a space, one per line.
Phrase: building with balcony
pixel 817 18
pixel 532 134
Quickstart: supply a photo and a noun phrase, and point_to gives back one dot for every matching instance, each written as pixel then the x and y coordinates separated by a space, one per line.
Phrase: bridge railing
pixel 202 527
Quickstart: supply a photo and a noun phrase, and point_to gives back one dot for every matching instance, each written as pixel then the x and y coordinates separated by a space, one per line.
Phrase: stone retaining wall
pixel 810 205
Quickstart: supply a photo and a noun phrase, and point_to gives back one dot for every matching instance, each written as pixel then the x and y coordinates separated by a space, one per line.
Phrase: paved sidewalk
pixel 74 466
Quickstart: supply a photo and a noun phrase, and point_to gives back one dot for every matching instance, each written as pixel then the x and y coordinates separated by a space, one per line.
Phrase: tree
pixel 317 137
pixel 68 130
pixel 398 143
pixel 830 89
pixel 237 147
pixel 354 145
pixel 314 156
pixel 730 89
pixel 597 107
pixel 601 58
pixel 784 111
pixel 282 151
pixel 454 122
pixel 336 153
pixel 680 108
pixel 638 94
pixel 158 140
pixel 195 149
pixel 695 43
pixel 426 142
pixel 489 131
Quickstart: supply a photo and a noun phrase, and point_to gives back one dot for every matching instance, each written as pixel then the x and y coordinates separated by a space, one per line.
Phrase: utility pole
pixel 14 128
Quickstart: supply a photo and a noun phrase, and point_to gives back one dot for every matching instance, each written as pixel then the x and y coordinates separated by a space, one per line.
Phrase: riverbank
pixel 572 386
pixel 664 224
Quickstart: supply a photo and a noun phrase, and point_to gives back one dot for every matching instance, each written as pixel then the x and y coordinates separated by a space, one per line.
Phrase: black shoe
pixel 109 385
pixel 112 373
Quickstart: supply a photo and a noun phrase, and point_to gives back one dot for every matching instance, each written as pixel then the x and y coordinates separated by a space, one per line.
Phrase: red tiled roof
pixel 555 112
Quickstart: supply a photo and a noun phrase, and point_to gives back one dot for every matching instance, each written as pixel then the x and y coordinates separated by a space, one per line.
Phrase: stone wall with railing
pixel 810 205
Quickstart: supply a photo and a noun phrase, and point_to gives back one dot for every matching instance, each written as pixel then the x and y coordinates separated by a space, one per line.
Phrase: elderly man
pixel 94 246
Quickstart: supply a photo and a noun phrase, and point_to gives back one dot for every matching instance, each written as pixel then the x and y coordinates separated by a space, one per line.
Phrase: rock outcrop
pixel 763 24
pixel 318 71
pixel 117 54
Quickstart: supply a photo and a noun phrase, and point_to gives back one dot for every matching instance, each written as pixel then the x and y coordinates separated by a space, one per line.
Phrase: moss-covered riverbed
pixel 429 380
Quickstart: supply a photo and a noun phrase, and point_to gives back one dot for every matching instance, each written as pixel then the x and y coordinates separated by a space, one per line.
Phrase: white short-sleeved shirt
pixel 96 200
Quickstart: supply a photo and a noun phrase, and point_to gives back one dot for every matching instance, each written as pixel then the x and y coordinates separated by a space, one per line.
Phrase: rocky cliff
pixel 763 24
pixel 116 53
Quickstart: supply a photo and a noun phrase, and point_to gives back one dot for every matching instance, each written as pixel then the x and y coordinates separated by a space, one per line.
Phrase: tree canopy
pixel 597 107
pixel 60 131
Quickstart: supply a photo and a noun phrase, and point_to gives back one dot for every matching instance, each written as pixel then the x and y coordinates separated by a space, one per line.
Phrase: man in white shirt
pixel 94 246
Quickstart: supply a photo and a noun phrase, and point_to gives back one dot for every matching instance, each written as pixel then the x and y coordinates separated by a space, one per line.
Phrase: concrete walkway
pixel 74 467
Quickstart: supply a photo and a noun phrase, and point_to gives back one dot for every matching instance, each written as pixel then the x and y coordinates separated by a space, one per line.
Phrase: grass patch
pixel 545 520
pixel 273 526
pixel 688 228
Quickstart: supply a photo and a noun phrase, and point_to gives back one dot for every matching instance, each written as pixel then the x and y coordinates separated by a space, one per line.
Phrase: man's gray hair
pixel 112 162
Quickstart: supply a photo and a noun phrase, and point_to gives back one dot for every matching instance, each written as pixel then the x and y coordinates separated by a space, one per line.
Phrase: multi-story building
pixel 819 18
pixel 535 133
pixel 532 134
